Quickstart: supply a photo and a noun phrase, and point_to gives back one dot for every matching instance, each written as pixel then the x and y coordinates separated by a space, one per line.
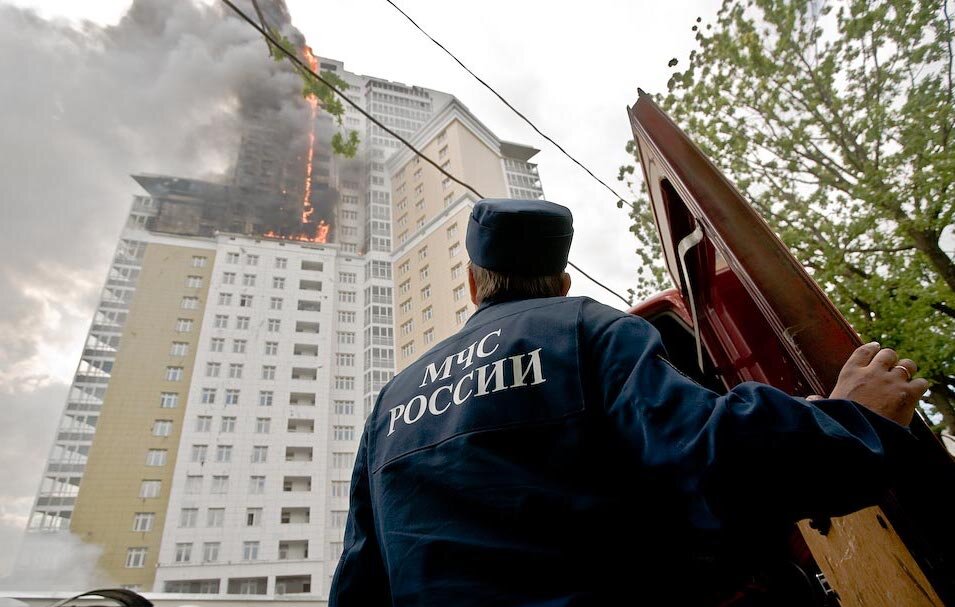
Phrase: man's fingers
pixel 885 358
pixel 907 364
pixel 813 397
pixel 918 386
pixel 863 354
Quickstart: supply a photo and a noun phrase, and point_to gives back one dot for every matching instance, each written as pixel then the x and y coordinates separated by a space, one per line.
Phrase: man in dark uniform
pixel 548 454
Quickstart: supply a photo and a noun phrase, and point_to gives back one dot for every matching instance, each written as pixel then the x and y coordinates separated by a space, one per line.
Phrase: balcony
pixel 309 305
pixel 293 550
pixel 305 373
pixel 306 399
pixel 313 266
pixel 296 516
pixel 305 350
pixel 296 484
pixel 293 584
pixel 247 585
pixel 298 454
pixel 310 285
pixel 307 327
pixel 302 426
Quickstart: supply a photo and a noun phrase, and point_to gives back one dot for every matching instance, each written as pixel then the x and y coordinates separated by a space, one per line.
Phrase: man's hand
pixel 877 379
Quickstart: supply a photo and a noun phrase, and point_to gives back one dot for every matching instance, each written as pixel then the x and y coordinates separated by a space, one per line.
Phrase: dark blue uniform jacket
pixel 548 454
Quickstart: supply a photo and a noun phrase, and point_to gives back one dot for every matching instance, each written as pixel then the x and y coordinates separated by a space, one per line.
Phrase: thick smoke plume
pixel 83 106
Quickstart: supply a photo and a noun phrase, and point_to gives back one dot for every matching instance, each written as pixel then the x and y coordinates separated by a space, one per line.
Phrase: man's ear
pixel 564 284
pixel 472 286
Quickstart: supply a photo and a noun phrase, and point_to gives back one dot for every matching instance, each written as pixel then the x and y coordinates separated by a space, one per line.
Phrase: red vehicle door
pixel 749 311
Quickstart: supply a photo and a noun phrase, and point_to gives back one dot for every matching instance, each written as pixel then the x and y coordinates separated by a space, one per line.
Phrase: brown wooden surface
pixel 863 556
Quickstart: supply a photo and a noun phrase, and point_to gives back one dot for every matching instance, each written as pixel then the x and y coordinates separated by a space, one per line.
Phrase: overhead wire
pixel 620 199
pixel 303 66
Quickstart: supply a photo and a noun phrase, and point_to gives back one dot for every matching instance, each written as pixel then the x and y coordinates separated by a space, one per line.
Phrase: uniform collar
pixel 497 308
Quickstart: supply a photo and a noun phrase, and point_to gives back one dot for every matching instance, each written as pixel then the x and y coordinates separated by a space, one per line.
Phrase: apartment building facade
pixel 431 216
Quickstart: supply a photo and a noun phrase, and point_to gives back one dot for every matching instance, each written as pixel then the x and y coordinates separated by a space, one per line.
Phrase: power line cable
pixel 292 57
pixel 620 198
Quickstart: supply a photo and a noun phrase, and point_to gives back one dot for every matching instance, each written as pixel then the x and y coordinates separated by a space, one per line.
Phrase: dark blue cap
pixel 527 237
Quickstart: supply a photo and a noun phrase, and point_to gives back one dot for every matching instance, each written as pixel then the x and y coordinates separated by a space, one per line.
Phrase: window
pixel 212 369
pixel 262 425
pixel 162 427
pixel 429 336
pixel 248 280
pixel 407 327
pixel 404 287
pixel 452 231
pixel 256 485
pixel 232 258
pixel 183 325
pixel 461 315
pixel 406 306
pixel 420 223
pixel 215 517
pixel 424 272
pixel 250 551
pixel 426 292
pixel 143 521
pixel 274 325
pixel 238 346
pixel 189 303
pixel 220 484
pixel 183 552
pixel 232 397
pixel 446 183
pixel 245 301
pixel 194 484
pixel 224 299
pixel 268 372
pixel 343 432
pixel 227 425
pixel 448 199
pixel 136 557
pixel 149 489
pixel 343 382
pixel 443 152
pixel 404 267
pixel 346 296
pixel 456 270
pixel 407 349
pixel 260 454
pixel 426 314
pixel 173 373
pixel 347 278
pixel 169 400
pixel 242 323
pixel 458 292
pixel 252 260
pixel 235 370
pixel 156 457
pixel 204 423
pixel 442 136
pixel 345 360
pixel 224 453
pixel 210 552
pixel 228 278
pixel 197 454
pixel 265 398
pixel 221 321
pixel 343 461
pixel 271 348
pixel 345 337
pixel 340 488
pixel 422 253
pixel 346 316
pixel 198 262
pixel 344 407
pixel 275 303
pixel 454 249
pixel 338 518
pixel 253 517
pixel 281 263
pixel 278 282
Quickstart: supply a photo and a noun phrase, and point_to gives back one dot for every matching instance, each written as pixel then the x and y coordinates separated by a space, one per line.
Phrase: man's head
pixel 518 249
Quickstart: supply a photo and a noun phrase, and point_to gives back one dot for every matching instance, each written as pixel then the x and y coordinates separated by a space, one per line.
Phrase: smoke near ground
pixel 82 107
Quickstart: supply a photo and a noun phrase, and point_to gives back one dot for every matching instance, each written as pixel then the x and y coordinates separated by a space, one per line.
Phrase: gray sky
pixel 84 107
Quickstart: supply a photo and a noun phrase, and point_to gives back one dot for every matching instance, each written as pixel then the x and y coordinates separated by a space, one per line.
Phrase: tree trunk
pixel 943 399
pixel 927 243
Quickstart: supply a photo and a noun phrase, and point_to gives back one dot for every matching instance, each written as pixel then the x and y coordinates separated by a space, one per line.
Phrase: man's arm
pixel 360 579
pixel 753 454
